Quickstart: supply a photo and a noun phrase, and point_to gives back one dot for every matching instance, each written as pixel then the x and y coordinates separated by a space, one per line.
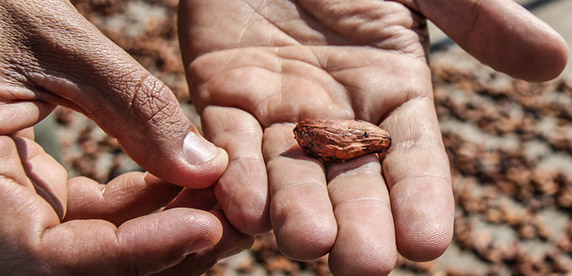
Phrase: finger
pixel 24 133
pixel 416 169
pixel 32 233
pixel 502 34
pixel 242 191
pixel 47 176
pixel 203 199
pixel 23 210
pixel 231 243
pixel 11 163
pixel 125 197
pixel 144 245
pixel 300 210
pixel 69 62
pixel 18 115
pixel 365 244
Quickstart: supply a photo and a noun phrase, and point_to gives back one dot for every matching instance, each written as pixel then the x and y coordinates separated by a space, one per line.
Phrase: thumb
pixel 71 63
pixel 502 34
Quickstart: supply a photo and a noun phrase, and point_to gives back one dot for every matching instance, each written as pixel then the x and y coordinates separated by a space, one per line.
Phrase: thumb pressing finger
pixel 71 63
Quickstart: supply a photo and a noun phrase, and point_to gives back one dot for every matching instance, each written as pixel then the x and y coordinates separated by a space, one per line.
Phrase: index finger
pixel 417 173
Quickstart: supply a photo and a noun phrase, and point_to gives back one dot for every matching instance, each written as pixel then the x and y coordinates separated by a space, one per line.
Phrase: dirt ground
pixel 509 143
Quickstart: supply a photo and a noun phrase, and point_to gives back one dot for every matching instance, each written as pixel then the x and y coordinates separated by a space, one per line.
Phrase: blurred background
pixel 509 143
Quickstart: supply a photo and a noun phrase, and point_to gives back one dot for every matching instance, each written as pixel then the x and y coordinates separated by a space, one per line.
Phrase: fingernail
pixel 198 246
pixel 197 150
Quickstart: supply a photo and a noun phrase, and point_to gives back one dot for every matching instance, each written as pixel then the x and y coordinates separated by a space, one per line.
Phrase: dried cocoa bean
pixel 340 140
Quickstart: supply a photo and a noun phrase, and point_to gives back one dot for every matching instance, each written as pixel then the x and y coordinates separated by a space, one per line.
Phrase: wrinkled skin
pixel 256 68
pixel 50 55
pixel 55 226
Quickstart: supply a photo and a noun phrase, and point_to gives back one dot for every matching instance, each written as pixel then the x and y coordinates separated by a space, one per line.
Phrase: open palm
pixel 257 67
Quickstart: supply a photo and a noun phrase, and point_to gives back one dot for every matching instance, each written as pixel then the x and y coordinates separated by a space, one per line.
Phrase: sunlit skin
pixel 50 55
pixel 256 68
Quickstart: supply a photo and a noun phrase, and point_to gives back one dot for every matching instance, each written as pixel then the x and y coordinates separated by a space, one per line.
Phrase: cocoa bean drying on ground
pixel 509 144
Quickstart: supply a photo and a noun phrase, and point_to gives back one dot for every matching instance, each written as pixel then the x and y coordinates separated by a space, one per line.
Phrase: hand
pixel 54 226
pixel 257 67
pixel 50 55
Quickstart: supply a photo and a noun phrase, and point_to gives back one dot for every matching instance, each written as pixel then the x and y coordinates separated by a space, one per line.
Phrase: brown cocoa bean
pixel 339 140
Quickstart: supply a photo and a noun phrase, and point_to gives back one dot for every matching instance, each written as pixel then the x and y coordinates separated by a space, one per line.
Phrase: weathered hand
pixel 52 226
pixel 257 67
pixel 50 55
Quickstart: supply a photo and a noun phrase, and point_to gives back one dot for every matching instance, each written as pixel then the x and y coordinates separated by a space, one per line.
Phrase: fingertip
pixel 197 150
pixel 361 249
pixel 424 217
pixel 179 172
pixel 208 174
pixel 425 247
pixel 303 235
pixel 548 63
pixel 232 241
pixel 205 162
pixel 539 55
pixel 210 228
pixel 177 229
pixel 210 238
pixel 16 116
pixel 306 242
pixel 380 265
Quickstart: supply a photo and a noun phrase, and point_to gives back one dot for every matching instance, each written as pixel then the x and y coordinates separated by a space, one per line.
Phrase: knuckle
pixel 153 102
